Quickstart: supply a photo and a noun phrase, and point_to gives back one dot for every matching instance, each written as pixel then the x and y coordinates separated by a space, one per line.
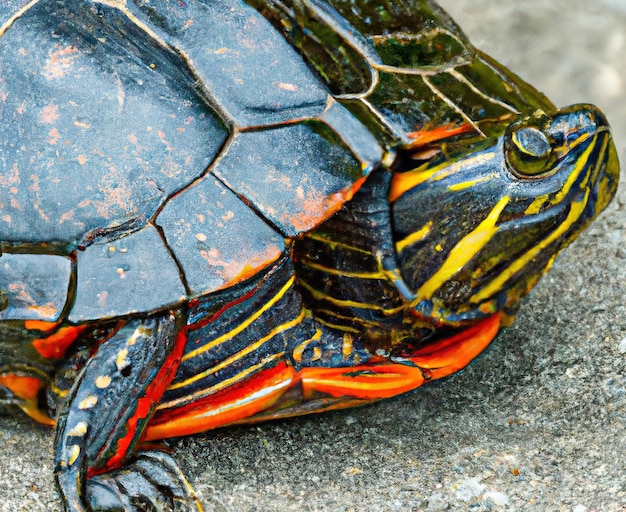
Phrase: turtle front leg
pixel 102 421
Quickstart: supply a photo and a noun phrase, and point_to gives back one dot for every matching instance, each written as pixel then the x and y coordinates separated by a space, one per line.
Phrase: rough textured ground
pixel 537 423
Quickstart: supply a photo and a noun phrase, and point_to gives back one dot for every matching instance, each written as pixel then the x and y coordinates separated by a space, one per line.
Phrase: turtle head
pixel 475 231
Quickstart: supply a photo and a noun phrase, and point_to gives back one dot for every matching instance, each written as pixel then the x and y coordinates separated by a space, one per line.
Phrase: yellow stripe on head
pixel 498 282
pixel 402 182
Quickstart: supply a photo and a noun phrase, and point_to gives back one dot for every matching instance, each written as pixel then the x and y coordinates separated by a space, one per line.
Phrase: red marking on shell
pixel 428 136
pixel 82 124
pixel 11 177
pixel 21 292
pixel 235 270
pixel 66 216
pixel 49 114
pixel 60 62
pixel 318 207
pixel 161 135
pixel 47 310
pixel 117 195
pixel 102 299
pixel 287 87
pixel 40 325
pixel 54 136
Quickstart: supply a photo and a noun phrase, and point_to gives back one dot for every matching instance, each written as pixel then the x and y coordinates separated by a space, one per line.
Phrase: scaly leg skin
pixel 137 486
pixel 110 404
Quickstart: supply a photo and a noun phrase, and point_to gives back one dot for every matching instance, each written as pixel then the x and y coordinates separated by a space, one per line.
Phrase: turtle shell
pixel 145 163
pixel 154 152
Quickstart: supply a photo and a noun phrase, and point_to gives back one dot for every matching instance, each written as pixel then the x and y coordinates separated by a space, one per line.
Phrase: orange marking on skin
pixel 22 386
pixel 450 355
pixel 384 380
pixel 26 388
pixel 40 325
pixel 55 345
pixel 233 404
pixel 423 137
pixel 365 382
pixel 259 398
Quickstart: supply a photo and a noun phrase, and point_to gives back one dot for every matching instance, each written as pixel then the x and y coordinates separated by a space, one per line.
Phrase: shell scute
pixel 249 70
pixel 217 239
pixel 259 165
pixel 34 286
pixel 133 274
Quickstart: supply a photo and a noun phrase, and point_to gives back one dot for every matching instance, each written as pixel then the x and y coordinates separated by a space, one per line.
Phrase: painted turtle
pixel 220 212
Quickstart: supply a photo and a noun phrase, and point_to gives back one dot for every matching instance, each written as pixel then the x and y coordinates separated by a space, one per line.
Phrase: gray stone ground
pixel 537 423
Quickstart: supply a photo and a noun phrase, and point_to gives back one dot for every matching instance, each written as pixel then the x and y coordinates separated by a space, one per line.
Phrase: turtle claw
pixel 152 482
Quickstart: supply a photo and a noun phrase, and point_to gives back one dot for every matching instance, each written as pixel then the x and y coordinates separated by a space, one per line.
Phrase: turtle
pixel 215 213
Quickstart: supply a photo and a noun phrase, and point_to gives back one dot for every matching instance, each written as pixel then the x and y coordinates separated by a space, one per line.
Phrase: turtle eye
pixel 528 152
pixel 531 142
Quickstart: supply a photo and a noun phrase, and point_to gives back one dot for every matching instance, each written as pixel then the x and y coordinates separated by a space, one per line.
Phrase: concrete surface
pixel 538 423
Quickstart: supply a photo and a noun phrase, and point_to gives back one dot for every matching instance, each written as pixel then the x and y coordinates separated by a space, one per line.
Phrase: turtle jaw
pixel 607 180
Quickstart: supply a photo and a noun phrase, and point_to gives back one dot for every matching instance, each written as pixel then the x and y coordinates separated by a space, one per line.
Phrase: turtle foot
pixel 152 482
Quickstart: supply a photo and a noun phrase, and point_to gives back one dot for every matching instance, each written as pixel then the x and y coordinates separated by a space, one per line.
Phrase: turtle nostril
pixel 575 122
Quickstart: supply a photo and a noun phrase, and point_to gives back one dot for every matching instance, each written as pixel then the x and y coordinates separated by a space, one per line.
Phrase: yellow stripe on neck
pixel 463 252
pixel 489 290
